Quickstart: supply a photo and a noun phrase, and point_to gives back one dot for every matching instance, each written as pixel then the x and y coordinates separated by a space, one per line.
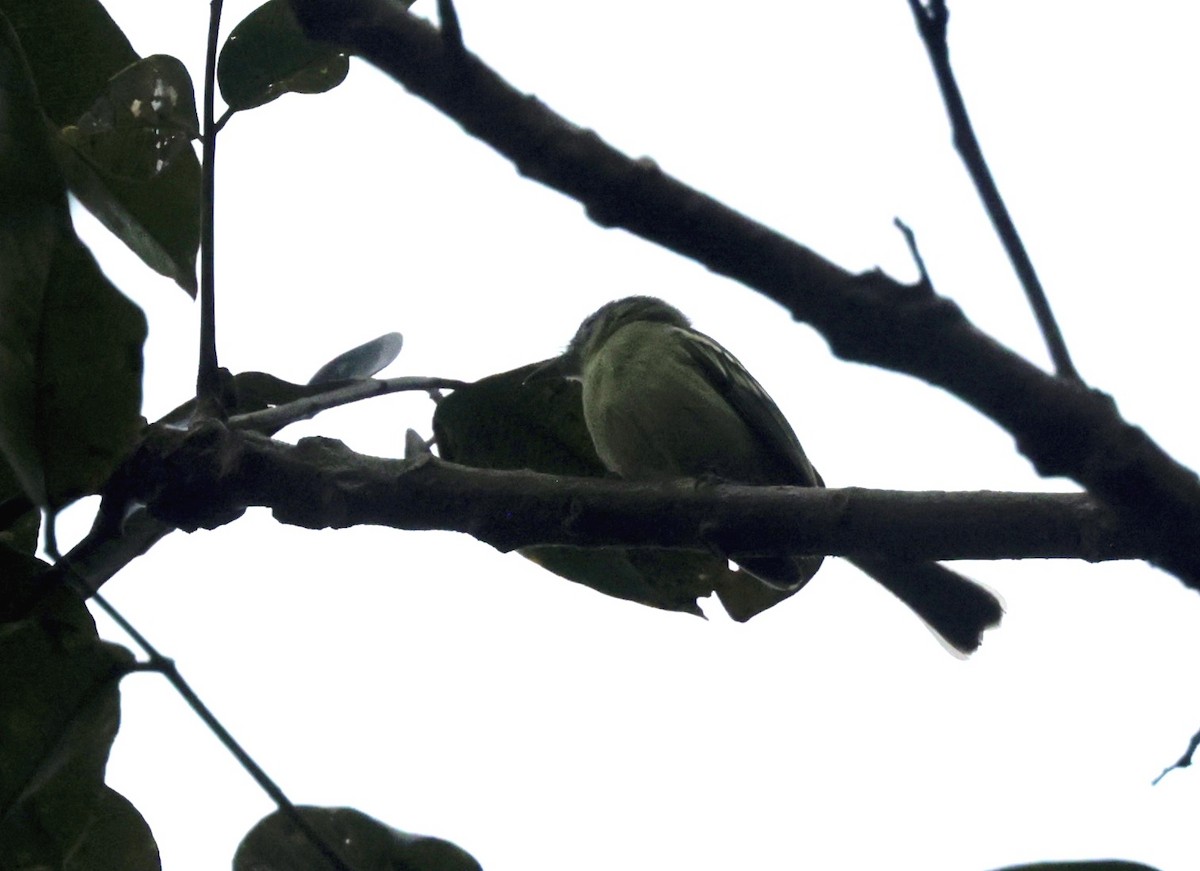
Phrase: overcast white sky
pixel 450 690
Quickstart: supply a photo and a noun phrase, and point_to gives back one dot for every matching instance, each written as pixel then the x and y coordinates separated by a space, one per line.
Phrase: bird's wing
pixel 754 405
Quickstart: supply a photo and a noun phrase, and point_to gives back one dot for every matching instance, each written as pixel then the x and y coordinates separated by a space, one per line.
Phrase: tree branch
pixel 208 381
pixel 166 666
pixel 271 420
pixel 931 23
pixel 207 476
pixel 1062 426
pixel 110 546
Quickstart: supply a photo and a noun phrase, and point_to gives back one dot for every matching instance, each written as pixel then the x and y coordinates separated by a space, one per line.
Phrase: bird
pixel 661 400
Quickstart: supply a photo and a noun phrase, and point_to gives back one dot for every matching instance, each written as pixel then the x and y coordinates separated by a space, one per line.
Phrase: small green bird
pixel 662 400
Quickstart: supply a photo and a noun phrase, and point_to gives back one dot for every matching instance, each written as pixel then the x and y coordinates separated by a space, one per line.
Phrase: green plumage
pixel 662 400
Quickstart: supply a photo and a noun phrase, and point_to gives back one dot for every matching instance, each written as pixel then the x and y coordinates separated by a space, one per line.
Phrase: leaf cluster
pixel 80 112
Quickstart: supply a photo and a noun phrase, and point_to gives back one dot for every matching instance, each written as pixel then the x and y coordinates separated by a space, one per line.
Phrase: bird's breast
pixel 653 414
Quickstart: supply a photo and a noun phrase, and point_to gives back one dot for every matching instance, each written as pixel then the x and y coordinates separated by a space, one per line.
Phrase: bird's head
pixel 598 327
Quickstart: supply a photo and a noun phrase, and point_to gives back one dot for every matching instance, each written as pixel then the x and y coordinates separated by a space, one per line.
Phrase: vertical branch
pixel 208 385
pixel 931 23
pixel 451 29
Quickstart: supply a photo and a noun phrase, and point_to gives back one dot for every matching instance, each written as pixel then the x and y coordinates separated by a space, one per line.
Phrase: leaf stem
pixel 219 125
pixel 271 420
pixel 167 668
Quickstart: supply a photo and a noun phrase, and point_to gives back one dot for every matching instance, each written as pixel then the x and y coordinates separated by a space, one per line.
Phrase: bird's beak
pixel 554 368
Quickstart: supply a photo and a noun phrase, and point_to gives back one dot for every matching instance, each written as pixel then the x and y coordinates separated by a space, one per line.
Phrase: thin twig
pixel 167 668
pixel 208 382
pixel 1184 761
pixel 272 420
pixel 415 446
pixel 220 123
pixel 50 534
pixel 451 30
pixel 931 23
pixel 910 239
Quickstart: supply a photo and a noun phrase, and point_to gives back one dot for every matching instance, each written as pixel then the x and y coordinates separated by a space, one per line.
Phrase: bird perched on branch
pixel 662 400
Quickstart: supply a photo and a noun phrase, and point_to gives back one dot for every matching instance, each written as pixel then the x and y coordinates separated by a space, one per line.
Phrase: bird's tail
pixel 957 609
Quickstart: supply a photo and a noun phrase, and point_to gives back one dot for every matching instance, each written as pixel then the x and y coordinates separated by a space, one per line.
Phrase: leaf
pixel 20 571
pixel 73 47
pixel 267 55
pixel 504 422
pixel 21 535
pixel 130 162
pixel 70 343
pixel 117 837
pixel 19 522
pixel 144 119
pixel 90 376
pixel 21 580
pixel 361 362
pixel 275 844
pixel 157 218
pixel 670 580
pixel 33 211
pixel 247 392
pixel 59 711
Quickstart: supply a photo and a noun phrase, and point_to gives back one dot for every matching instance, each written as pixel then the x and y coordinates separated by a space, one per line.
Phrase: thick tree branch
pixel 111 546
pixel 207 477
pixel 1062 426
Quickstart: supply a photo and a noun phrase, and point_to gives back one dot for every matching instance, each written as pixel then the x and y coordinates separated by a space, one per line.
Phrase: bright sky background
pixel 448 689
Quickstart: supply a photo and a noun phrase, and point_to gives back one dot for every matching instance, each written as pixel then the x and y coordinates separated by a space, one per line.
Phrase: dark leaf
pixel 19 521
pixel 21 581
pixel 255 391
pixel 90 376
pixel 70 343
pixel 671 580
pixel 275 844
pixel 73 47
pixel 21 533
pixel 129 160
pixel 415 445
pixel 248 392
pixel 145 118
pixel 158 218
pixel 361 362
pixel 33 216
pixel 267 56
pixel 502 422
pixel 59 711
pixel 117 837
